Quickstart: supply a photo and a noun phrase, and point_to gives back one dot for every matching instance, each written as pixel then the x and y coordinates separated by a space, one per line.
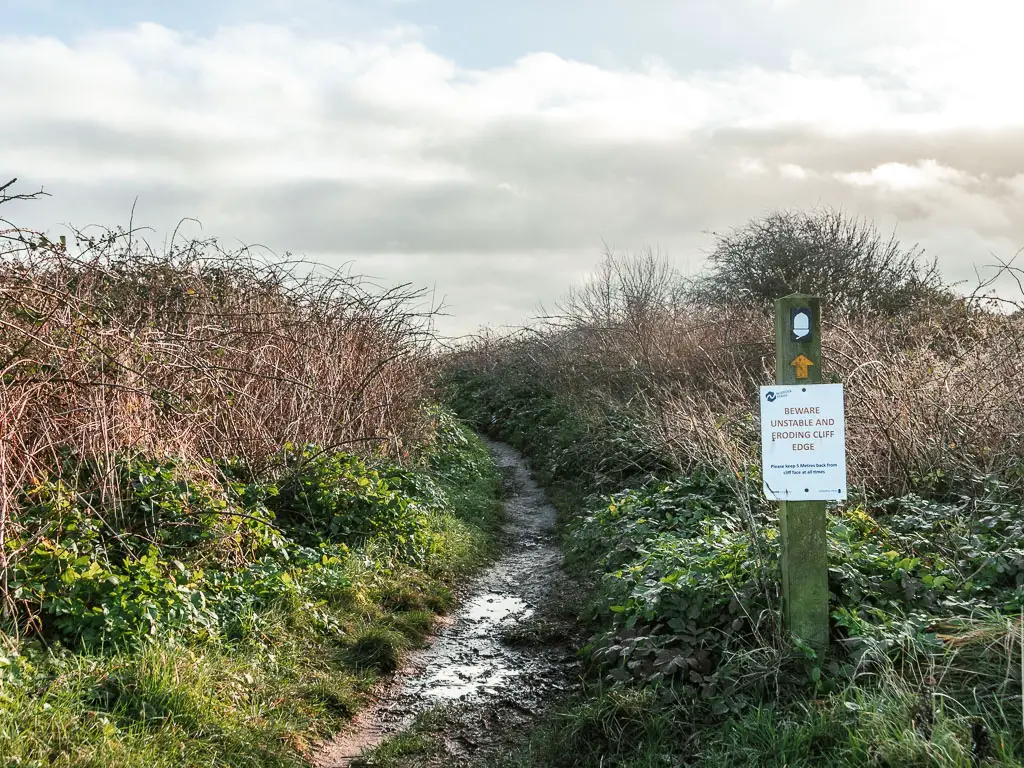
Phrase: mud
pixel 481 683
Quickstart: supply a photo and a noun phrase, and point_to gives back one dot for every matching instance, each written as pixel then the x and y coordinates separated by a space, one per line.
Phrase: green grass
pixel 378 648
pixel 886 725
pixel 614 728
pixel 161 707
pixel 291 670
pixel 418 745
pixel 890 726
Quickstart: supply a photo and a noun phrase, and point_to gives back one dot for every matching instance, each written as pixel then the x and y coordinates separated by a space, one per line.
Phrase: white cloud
pixel 792 171
pixel 499 184
pixel 902 177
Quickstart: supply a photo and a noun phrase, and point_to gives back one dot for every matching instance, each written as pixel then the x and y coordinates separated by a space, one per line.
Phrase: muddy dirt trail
pixel 483 684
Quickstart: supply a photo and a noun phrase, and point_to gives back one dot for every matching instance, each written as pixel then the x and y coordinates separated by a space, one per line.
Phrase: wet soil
pixel 492 665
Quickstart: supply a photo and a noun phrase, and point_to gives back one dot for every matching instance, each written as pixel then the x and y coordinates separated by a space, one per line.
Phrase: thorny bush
pixel 118 363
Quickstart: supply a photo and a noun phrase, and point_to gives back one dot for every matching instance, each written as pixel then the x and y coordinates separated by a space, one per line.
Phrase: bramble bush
pixel 191 557
pixel 336 497
pixel 217 616
pixel 679 561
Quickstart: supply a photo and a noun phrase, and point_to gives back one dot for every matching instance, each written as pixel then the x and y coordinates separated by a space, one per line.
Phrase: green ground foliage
pixel 687 661
pixel 211 616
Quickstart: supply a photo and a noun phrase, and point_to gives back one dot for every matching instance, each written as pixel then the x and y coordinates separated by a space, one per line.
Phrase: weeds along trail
pixel 115 351
pixel 478 671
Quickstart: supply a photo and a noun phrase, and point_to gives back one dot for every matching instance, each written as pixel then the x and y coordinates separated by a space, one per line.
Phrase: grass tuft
pixel 378 648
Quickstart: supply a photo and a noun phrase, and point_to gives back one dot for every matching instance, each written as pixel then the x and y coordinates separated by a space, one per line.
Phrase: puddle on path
pixel 496 608
pixel 468 662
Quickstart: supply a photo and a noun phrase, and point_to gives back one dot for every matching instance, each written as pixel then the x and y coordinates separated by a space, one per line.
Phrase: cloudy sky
pixel 491 149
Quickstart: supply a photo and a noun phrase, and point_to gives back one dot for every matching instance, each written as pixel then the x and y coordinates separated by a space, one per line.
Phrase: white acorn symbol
pixel 801 325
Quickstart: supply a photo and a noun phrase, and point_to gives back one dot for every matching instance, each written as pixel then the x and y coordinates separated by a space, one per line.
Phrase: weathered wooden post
pixel 803 462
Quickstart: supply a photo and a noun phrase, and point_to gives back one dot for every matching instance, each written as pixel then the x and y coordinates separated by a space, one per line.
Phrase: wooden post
pixel 802 523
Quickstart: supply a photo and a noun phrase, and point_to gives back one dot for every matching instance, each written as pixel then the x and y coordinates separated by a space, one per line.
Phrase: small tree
pixel 625 292
pixel 823 252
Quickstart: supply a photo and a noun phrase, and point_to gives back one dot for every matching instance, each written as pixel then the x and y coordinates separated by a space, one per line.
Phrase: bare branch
pixel 5 197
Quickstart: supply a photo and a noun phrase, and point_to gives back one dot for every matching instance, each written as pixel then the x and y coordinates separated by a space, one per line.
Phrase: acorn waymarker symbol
pixel 801 323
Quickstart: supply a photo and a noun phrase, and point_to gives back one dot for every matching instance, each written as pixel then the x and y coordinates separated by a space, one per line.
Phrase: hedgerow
pixel 227 503
pixel 636 406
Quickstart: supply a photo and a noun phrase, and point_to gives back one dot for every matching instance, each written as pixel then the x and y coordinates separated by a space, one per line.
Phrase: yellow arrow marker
pixel 801 364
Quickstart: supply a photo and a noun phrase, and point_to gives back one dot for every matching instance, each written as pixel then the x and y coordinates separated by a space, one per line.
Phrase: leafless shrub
pixel 935 388
pixel 195 352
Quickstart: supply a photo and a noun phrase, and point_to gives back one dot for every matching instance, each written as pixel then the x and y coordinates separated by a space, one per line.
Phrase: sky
pixel 492 151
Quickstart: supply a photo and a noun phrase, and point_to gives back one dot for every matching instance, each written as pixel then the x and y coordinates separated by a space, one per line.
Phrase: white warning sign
pixel 803 442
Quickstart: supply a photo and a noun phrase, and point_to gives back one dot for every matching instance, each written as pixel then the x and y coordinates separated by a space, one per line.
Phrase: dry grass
pixel 936 390
pixel 195 352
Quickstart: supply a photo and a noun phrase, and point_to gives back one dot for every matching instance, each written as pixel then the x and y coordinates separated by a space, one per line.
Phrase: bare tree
pixel 843 259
